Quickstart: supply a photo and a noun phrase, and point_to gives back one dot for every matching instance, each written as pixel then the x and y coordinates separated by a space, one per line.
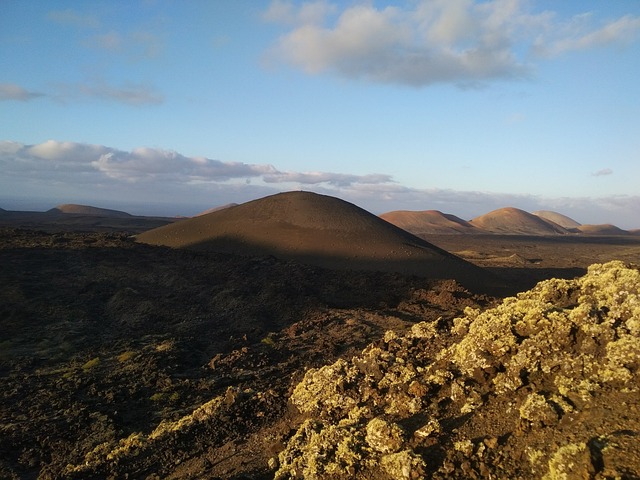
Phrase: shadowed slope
pixel 562 220
pixel 319 230
pixel 515 221
pixel 428 222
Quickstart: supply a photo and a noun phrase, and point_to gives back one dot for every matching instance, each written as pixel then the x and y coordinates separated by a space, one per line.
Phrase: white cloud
pixel 430 41
pixel 81 173
pixel 579 34
pixel 335 179
pixel 11 91
pixel 66 152
pixel 153 165
pixel 603 172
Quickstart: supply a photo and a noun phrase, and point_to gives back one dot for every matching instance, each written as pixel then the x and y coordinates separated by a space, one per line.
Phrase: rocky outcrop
pixel 533 387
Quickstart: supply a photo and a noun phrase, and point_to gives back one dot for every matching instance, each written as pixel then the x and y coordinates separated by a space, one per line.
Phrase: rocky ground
pixel 122 360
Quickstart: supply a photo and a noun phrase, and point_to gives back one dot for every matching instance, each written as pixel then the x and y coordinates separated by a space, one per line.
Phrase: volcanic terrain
pixel 511 220
pixel 428 222
pixel 318 230
pixel 299 336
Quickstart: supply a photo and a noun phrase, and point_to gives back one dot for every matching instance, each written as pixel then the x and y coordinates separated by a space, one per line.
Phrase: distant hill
pixel 74 209
pixel 319 230
pixel 215 209
pixel 81 218
pixel 428 222
pixel 605 229
pixel 558 218
pixel 514 221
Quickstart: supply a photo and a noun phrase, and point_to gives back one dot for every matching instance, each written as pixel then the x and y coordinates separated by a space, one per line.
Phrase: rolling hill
pixel 514 221
pixel 604 229
pixel 558 218
pixel 428 222
pixel 74 209
pixel 318 230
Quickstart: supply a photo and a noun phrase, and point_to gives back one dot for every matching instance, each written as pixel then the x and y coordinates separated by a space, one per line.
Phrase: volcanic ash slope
pixel 319 230
pixel 545 385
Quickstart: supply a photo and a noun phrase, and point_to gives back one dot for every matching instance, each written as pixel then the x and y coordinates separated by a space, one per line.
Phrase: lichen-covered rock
pixel 403 465
pixel 384 437
pixel 326 391
pixel 570 462
pixel 329 451
pixel 536 409
pixel 533 365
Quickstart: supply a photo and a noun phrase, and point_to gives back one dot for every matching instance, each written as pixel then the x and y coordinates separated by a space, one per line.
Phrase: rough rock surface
pixel 121 360
pixel 523 390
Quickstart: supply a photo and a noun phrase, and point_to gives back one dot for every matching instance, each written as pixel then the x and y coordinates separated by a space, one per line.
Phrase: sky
pixel 167 107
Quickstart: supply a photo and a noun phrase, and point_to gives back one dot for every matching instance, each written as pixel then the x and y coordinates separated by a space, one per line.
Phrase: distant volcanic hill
pixel 71 208
pixel 606 229
pixel 428 222
pixel 517 222
pixel 558 218
pixel 319 230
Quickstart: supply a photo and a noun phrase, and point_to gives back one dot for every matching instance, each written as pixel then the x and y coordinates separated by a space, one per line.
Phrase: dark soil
pixel 103 339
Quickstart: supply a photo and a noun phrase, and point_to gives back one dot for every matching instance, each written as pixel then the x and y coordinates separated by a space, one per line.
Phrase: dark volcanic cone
pixel 319 230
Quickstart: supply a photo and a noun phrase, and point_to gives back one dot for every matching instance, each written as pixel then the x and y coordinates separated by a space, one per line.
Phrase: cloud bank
pixel 56 160
pixel 433 41
pixel 164 182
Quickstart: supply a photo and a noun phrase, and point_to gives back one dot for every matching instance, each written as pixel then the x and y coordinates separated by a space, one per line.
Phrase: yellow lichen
pixel 570 462
pixel 564 340
pixel 383 436
pixel 403 465
pixel 536 409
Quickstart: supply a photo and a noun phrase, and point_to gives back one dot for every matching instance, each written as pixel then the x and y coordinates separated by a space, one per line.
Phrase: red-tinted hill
pixel 319 230
pixel 428 222
pixel 558 218
pixel 513 221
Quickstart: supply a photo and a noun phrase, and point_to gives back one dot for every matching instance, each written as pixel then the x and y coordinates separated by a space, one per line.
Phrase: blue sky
pixel 170 107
